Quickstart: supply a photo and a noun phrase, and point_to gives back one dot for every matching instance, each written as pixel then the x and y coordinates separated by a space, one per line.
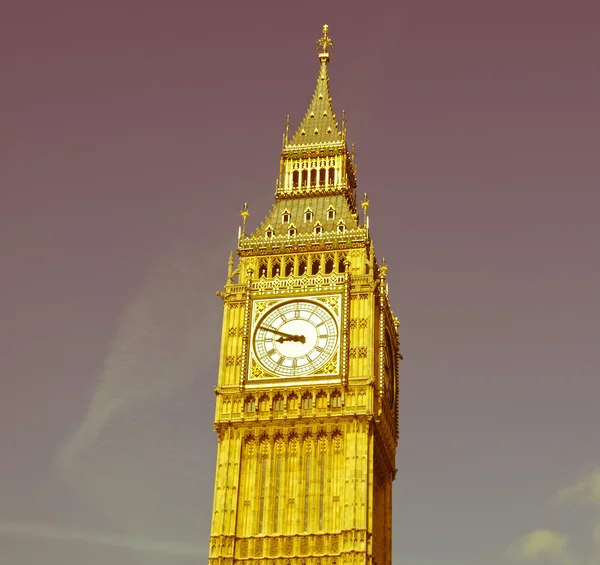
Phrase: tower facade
pixel 307 393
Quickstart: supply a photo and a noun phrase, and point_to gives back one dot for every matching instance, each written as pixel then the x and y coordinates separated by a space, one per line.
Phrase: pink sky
pixel 132 134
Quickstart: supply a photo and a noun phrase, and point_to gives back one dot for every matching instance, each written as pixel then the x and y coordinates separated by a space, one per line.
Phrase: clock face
pixel 295 338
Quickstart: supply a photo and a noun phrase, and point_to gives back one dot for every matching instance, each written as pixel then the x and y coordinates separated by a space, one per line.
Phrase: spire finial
pixel 383 269
pixel 244 214
pixel 365 203
pixel 325 42
pixel 365 206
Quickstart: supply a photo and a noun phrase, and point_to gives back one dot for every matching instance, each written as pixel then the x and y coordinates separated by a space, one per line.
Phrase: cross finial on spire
pixel 325 42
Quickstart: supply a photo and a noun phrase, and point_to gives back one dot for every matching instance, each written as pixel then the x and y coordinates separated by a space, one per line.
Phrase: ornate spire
pixel 319 125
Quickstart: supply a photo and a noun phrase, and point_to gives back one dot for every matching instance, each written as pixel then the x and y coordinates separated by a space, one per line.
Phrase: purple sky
pixel 132 133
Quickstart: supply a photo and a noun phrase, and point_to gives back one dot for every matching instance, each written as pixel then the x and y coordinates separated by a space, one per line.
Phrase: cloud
pixel 539 544
pixel 160 341
pixel 585 491
pixel 554 546
pixel 136 454
pixel 135 543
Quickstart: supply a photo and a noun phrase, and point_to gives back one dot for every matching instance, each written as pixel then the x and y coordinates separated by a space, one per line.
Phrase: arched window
pixel 322 176
pixel 275 267
pixel 278 403
pixel 250 405
pixel 329 265
pixel 289 266
pixel 314 268
pixel 307 402
pixel 304 178
pixel 322 400
pixel 263 403
pixel 318 229
pixel 313 177
pixel 308 215
pixel 336 399
pixel 331 213
pixel 285 217
pixel 301 266
pixel 292 401
pixel 331 175
pixel 341 227
pixel 295 176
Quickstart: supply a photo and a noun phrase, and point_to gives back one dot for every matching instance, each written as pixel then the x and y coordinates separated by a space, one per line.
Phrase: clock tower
pixel 307 393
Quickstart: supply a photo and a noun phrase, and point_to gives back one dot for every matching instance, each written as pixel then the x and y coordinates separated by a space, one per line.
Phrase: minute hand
pixel 289 337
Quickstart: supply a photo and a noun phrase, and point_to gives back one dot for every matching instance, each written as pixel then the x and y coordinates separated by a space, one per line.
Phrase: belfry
pixel 307 392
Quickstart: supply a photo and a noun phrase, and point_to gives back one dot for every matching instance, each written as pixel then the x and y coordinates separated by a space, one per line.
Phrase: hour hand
pixel 299 338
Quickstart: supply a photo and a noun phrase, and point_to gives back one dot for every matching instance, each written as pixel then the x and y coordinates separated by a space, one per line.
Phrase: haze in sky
pixel 132 134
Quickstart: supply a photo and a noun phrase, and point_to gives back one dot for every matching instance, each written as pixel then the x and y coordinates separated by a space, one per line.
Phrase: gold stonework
pixel 308 382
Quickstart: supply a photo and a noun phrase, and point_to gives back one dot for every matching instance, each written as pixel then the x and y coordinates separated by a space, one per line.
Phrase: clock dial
pixel 295 338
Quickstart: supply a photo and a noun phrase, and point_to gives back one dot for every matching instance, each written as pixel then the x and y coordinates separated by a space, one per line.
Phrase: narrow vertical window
pixel 322 176
pixel 295 176
pixel 275 267
pixel 322 491
pixel 306 491
pixel 328 265
pixel 331 175
pixel 314 268
pixel 289 267
pixel 302 266
pixel 263 483
pixel 313 177
pixel 277 488
pixel 304 177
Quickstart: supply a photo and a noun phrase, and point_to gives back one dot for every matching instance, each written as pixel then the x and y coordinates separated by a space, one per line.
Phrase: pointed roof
pixel 319 125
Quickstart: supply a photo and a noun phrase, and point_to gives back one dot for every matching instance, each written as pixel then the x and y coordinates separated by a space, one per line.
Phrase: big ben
pixel 307 391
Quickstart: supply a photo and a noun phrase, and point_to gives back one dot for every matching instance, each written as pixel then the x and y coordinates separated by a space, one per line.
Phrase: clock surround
pixel 296 338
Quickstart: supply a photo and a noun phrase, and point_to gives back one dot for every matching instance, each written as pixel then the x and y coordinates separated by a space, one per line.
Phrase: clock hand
pixel 284 336
pixel 299 338
pixel 276 332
